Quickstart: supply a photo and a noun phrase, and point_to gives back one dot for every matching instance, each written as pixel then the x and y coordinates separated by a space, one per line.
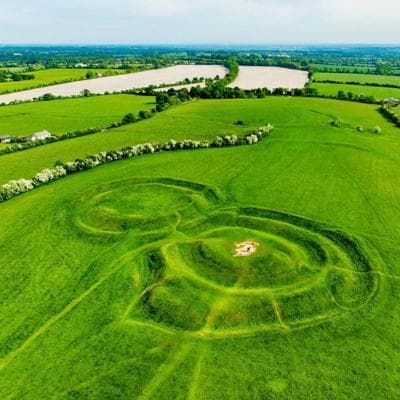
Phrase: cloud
pixel 189 21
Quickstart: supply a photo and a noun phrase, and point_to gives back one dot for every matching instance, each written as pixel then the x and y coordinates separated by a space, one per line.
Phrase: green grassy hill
pixel 204 120
pixel 120 282
pixel 68 115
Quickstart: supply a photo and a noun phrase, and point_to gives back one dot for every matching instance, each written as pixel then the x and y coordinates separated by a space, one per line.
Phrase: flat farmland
pixel 122 82
pixel 49 76
pixel 269 77
pixel 380 93
pixel 361 78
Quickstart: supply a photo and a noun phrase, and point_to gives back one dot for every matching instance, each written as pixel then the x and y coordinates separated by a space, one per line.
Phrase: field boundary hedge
pixel 127 119
pixel 390 115
pixel 15 187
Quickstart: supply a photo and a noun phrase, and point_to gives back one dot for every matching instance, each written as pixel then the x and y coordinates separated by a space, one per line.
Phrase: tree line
pixel 12 76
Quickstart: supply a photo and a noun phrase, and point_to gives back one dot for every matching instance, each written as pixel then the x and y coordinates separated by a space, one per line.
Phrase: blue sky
pixel 200 21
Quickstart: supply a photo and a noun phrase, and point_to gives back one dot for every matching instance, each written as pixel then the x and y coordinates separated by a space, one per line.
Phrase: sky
pixel 199 21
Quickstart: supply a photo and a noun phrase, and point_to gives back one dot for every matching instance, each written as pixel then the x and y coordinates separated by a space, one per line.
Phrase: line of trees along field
pixel 11 76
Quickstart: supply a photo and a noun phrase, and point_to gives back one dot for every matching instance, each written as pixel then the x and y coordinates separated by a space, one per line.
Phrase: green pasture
pixel 202 120
pixel 379 93
pixel 48 77
pixel 68 115
pixel 361 78
pixel 121 281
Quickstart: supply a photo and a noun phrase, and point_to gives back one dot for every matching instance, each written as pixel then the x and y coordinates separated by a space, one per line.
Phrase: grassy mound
pixel 119 282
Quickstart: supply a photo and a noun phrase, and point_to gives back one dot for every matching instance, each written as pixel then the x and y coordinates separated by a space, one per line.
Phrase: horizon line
pixel 205 44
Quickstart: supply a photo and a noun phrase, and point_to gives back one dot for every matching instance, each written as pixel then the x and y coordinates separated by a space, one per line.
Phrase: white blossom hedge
pixel 19 186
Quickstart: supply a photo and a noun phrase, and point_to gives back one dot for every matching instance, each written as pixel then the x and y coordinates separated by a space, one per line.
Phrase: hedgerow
pixel 390 114
pixel 126 119
pixel 16 187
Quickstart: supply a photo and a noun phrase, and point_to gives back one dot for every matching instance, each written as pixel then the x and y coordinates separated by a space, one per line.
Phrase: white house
pixel 6 139
pixel 391 100
pixel 40 136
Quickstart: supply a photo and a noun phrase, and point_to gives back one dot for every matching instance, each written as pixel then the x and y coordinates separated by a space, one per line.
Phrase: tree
pixel 90 75
pixel 86 93
pixel 128 119
pixel 383 68
pixel 48 97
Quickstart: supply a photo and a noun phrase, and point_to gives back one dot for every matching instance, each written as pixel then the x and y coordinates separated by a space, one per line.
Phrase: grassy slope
pixel 198 120
pixel 378 92
pixel 362 78
pixel 70 114
pixel 47 77
pixel 347 180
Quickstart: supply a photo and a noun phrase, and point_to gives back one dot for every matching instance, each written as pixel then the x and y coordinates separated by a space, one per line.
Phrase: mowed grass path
pixel 332 89
pixel 69 297
pixel 362 78
pixel 68 115
pixel 47 77
pixel 202 120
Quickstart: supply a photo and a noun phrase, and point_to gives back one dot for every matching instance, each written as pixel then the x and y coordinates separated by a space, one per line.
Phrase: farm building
pixel 6 139
pixel 39 136
pixel 391 100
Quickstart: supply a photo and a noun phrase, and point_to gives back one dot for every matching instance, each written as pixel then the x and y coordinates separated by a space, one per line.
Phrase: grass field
pixel 70 114
pixel 47 77
pixel 362 78
pixel 379 93
pixel 199 120
pixel 120 282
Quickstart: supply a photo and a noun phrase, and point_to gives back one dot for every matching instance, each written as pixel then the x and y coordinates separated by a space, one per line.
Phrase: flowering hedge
pixel 16 187
pixel 390 114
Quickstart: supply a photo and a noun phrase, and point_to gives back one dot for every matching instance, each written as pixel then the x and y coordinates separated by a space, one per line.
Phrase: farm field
pixel 121 281
pixel 362 78
pixel 270 77
pixel 68 115
pixel 47 77
pixel 379 93
pixel 199 120
pixel 122 82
